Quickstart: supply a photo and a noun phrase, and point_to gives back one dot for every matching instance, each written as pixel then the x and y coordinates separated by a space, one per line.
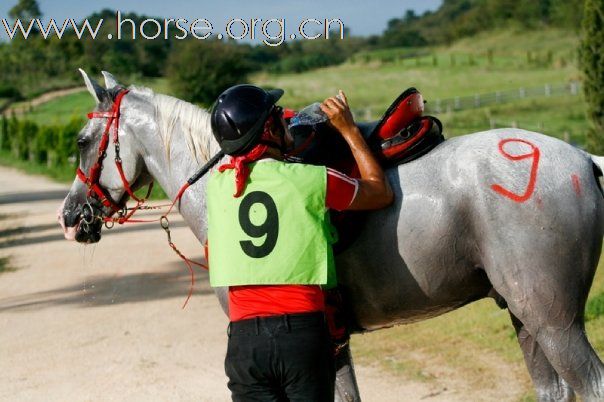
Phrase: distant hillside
pixel 456 19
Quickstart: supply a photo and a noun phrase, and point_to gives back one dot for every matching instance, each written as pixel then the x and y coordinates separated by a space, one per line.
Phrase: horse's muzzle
pixel 90 223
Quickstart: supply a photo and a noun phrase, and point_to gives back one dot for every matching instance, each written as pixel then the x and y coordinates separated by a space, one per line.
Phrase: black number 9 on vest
pixel 270 227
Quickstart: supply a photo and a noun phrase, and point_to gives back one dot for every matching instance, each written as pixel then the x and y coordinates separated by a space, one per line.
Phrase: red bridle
pixel 125 214
pixel 94 175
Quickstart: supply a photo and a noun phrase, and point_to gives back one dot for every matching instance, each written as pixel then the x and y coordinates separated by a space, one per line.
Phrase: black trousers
pixel 280 358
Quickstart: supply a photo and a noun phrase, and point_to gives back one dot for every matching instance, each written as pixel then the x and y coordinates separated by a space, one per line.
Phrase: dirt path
pixel 45 97
pixel 104 322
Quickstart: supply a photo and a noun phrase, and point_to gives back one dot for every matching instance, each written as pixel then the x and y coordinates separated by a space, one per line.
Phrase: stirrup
pixel 415 140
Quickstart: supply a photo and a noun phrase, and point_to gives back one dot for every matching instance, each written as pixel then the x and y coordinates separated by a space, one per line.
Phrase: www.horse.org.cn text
pixel 272 32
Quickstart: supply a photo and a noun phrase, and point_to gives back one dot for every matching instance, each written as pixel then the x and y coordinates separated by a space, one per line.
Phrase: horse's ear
pixel 97 91
pixel 110 81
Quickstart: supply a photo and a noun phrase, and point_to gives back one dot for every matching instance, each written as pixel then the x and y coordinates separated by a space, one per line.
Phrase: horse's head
pixel 99 190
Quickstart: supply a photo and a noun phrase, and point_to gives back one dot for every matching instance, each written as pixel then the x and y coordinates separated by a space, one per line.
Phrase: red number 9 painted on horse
pixel 530 188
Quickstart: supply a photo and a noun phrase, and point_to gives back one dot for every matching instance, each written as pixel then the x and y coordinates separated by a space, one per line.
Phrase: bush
pixel 66 145
pixel 200 70
pixel 47 145
pixel 9 91
pixel 28 139
pixel 592 64
pixel 4 134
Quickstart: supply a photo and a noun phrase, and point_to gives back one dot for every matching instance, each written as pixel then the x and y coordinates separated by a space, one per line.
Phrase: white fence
pixel 481 100
pixel 494 98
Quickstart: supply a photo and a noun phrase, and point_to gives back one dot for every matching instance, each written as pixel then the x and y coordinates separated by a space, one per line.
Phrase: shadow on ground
pixel 103 290
pixel 33 196
pixel 11 237
pixel 5 265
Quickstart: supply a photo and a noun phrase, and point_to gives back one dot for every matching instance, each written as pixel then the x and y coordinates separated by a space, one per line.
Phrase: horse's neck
pixel 171 169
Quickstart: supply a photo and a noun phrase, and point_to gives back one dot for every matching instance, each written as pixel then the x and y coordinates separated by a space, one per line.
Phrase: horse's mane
pixel 193 122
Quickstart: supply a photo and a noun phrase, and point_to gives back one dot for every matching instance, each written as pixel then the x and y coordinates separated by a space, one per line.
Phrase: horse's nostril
pixel 72 216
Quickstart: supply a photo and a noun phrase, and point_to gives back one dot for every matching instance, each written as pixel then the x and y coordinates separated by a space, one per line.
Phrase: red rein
pixel 125 214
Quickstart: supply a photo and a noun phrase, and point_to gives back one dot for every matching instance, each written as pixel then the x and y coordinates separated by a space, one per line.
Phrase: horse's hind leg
pixel 550 307
pixel 548 384
pixel 570 353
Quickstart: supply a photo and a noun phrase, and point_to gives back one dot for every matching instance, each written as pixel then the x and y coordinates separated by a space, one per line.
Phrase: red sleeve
pixel 341 190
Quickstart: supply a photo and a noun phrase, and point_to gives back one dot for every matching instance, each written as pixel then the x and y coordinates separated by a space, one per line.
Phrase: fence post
pixel 367 114
pixel 514 124
pixel 437 107
pixel 457 103
pixel 477 100
pixel 497 97
pixel 522 92
pixel 548 90
pixel 566 136
pixel 573 88
pixel 492 124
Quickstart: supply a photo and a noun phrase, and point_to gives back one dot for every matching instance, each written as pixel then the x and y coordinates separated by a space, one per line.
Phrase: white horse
pixel 508 214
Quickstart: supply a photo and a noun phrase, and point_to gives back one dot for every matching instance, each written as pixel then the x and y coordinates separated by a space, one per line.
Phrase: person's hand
pixel 337 110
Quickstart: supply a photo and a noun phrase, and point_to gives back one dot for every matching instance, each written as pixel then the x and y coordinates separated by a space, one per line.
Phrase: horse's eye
pixel 82 143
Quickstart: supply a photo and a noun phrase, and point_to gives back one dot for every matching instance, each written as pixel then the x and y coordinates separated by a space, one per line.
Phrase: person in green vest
pixel 270 242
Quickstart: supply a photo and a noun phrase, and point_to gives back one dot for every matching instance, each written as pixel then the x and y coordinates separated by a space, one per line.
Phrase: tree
pixel 410 16
pixel 591 54
pixel 25 10
pixel 200 70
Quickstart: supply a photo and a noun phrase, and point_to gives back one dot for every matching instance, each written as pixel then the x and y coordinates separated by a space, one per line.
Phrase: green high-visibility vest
pixel 277 232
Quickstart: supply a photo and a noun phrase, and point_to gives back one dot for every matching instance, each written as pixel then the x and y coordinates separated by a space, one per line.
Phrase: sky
pixel 363 17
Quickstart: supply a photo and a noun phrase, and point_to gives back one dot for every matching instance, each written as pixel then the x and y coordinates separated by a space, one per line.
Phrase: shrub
pixel 591 54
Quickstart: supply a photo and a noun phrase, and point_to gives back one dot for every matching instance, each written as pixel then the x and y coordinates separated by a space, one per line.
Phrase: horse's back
pixel 460 208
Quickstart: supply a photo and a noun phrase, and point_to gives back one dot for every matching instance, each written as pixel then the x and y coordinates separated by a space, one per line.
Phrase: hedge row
pixel 47 145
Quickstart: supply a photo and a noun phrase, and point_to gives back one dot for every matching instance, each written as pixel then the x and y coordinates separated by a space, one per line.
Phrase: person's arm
pixel 374 191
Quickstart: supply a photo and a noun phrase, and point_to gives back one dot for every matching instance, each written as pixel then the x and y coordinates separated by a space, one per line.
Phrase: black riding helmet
pixel 239 114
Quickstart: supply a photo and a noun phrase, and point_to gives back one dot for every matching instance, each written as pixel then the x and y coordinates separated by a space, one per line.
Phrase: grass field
pixel 553 116
pixel 63 109
pixel 60 110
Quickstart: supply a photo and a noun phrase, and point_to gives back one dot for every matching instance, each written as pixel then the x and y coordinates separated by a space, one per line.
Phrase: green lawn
pixel 377 86
pixel 553 116
pixel 62 110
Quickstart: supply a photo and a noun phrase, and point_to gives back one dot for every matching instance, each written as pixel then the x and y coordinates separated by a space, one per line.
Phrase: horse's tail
pixel 598 168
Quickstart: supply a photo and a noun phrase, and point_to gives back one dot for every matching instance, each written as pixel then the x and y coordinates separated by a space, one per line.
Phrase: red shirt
pixel 265 300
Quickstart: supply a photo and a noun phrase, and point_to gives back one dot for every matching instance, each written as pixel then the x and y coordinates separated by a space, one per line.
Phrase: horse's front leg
pixel 223 298
pixel 347 389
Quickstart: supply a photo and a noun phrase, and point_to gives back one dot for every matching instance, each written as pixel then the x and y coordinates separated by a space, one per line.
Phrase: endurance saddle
pixel 402 135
